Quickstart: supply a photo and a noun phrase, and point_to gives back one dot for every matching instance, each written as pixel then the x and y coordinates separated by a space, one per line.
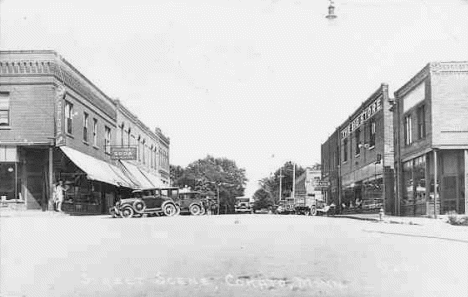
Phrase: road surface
pixel 233 255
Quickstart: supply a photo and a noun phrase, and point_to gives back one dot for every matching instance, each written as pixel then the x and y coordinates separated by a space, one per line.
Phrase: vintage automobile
pixel 149 201
pixel 191 202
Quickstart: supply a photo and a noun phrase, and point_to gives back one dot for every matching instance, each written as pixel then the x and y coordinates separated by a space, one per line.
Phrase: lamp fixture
pixel 331 11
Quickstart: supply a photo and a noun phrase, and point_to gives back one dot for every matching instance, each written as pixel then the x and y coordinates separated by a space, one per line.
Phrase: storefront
pixel 91 185
pixel 419 192
pixel 10 175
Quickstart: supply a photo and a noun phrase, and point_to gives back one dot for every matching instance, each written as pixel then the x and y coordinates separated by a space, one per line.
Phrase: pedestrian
pixel 59 193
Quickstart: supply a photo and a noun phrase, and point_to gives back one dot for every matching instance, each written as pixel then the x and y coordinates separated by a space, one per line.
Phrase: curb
pixel 384 221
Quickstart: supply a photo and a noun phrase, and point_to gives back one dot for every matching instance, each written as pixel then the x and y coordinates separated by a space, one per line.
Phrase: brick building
pixel 358 159
pixel 431 139
pixel 57 125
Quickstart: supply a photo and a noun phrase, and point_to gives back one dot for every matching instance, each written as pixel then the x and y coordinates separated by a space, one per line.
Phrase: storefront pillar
pixel 436 188
pixel 51 179
pixel 466 181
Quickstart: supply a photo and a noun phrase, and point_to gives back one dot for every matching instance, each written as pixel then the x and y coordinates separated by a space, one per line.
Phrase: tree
pixel 262 199
pixel 212 175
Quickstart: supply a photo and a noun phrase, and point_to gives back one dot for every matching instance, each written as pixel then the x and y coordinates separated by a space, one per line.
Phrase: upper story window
pixel 372 132
pixel 345 150
pixel 143 150
pixel 95 129
pixel 4 109
pixel 122 135
pixel 107 139
pixel 358 141
pixel 85 126
pixel 129 137
pixel 408 130
pixel 421 122
pixel 68 117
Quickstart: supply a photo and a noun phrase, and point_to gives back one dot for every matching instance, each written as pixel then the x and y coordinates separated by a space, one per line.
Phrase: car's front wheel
pixel 195 210
pixel 170 210
pixel 127 212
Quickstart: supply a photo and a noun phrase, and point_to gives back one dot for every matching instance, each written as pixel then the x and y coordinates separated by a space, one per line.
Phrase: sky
pixel 261 82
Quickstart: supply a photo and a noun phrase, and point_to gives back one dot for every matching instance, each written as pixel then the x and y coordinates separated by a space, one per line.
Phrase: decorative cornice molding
pixel 413 82
pixel 70 76
pixel 450 67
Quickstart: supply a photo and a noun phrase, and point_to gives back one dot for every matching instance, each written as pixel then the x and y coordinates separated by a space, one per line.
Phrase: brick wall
pixel 31 113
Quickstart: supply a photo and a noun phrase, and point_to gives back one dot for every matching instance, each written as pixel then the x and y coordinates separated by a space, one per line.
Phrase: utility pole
pixel 280 177
pixel 294 183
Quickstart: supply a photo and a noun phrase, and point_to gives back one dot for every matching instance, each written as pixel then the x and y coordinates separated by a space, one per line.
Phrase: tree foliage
pixel 271 184
pixel 262 199
pixel 210 175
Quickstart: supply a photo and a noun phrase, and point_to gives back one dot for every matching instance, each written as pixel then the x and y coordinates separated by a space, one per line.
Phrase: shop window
pixel 85 127
pixel 68 117
pixel 345 150
pixel 408 130
pixel 107 139
pixel 421 122
pixel 372 132
pixel 95 129
pixel 4 109
pixel 358 141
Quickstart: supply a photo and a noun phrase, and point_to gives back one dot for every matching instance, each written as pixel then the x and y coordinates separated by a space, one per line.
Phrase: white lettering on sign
pixel 360 119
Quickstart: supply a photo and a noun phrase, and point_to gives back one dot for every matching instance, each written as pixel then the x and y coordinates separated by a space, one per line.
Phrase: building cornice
pixel 49 63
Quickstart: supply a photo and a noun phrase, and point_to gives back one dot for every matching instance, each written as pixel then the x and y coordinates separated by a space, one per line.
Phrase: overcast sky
pixel 242 79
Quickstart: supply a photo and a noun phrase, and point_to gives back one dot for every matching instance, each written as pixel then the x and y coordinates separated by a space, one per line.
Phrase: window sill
pixel 70 135
pixel 95 147
pixel 357 155
pixel 85 142
pixel 5 127
pixel 372 147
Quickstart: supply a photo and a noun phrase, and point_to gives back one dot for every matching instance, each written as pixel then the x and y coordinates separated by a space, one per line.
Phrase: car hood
pixel 128 200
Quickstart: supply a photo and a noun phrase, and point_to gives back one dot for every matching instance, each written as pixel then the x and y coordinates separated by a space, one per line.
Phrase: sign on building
pixel 321 185
pixel 60 139
pixel 123 153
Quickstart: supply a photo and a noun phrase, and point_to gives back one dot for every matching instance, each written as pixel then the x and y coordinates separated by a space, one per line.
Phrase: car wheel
pixel 203 211
pixel 139 206
pixel 127 212
pixel 307 212
pixel 195 210
pixel 170 210
pixel 112 213
pixel 313 211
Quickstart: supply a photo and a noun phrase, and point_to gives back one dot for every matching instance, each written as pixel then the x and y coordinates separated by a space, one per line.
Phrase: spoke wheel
pixel 170 210
pixel 127 212
pixel 195 210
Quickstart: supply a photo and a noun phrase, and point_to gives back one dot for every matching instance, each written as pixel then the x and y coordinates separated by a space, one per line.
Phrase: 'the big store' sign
pixel 367 113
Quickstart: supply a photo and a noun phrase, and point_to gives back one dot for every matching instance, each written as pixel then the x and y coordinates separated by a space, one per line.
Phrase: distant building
pixel 55 124
pixel 431 140
pixel 305 184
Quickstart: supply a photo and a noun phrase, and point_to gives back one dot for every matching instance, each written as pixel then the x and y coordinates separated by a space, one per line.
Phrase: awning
pixel 137 176
pixel 154 179
pixel 96 169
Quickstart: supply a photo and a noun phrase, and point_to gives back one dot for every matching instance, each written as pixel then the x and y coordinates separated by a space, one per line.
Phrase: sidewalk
pixel 9 213
pixel 395 219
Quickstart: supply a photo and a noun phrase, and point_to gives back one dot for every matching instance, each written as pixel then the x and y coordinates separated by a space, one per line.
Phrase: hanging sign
pixel 123 153
pixel 60 139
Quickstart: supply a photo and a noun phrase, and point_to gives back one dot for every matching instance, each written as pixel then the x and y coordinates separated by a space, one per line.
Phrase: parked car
pixel 149 201
pixel 191 202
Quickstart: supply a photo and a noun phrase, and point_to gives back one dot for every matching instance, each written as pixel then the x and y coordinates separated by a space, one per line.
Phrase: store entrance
pixel 34 191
